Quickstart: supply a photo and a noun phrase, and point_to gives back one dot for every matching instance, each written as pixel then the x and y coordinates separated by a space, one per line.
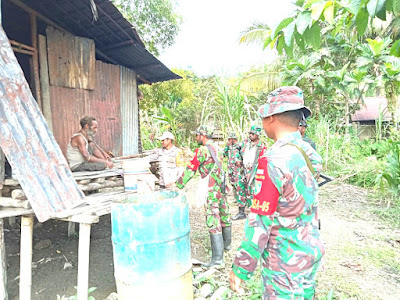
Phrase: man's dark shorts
pixel 88 166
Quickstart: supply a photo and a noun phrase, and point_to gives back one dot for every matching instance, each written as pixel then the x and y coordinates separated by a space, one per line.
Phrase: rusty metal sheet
pixel 129 112
pixel 68 106
pixel 371 108
pixel 71 60
pixel 29 145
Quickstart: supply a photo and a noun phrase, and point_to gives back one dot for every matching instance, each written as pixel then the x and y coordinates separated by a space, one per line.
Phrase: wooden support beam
pixel 23 51
pixel 21 45
pixel 144 80
pixel 45 81
pixel 3 265
pixel 114 22
pixel 71 229
pixel 83 261
pixel 118 45
pixel 26 8
pixel 3 257
pixel 35 60
pixel 25 281
pixel 100 53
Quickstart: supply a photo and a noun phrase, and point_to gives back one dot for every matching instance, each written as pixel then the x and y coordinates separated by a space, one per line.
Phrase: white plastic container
pixel 137 176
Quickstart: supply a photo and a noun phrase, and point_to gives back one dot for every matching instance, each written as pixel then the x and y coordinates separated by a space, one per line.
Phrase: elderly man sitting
pixel 83 153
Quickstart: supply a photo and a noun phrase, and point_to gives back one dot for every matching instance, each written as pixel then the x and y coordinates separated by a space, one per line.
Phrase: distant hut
pixel 365 119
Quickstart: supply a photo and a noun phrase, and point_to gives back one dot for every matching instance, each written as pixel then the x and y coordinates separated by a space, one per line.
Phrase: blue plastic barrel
pixel 151 245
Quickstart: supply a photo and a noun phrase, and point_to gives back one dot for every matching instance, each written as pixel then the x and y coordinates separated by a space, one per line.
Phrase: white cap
pixel 166 135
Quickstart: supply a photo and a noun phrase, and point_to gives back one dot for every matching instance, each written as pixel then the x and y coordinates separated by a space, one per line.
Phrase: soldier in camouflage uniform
pixel 232 152
pixel 207 161
pixel 249 152
pixel 282 227
pixel 302 129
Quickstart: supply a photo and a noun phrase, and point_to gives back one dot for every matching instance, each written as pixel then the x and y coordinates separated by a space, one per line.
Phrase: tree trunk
pixel 347 113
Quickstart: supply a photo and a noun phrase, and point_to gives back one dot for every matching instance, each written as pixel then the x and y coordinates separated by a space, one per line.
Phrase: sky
pixel 208 42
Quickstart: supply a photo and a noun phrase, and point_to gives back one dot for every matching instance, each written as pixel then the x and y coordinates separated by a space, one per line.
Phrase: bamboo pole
pixel 25 281
pixel 83 261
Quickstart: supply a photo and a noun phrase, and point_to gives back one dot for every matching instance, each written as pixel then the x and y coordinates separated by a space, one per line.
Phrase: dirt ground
pixel 362 260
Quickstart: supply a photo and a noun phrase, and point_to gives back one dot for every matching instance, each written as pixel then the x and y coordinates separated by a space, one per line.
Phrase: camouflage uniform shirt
pixel 217 209
pixel 287 239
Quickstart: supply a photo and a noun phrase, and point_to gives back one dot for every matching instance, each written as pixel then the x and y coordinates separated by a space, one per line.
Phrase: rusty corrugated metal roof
pixel 112 33
pixel 29 145
pixel 371 108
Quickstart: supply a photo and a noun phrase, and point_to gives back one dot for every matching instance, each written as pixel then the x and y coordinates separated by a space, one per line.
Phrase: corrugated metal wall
pixel 129 112
pixel 68 106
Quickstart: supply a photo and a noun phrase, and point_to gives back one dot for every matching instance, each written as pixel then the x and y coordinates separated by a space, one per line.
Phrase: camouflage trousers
pixel 245 191
pixel 279 280
pixel 217 212
pixel 234 181
pixel 281 285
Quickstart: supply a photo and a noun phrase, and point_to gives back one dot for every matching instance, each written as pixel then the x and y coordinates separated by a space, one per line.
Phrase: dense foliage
pixel 155 20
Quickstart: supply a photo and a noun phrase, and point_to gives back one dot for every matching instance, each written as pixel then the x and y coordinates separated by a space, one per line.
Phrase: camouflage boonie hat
pixel 232 135
pixel 203 130
pixel 283 99
pixel 255 129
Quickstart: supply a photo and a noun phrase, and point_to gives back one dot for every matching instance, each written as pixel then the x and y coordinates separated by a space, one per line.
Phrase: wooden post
pixel 12 221
pixel 3 265
pixel 71 229
pixel 44 81
pixel 83 261
pixel 25 273
pixel 35 61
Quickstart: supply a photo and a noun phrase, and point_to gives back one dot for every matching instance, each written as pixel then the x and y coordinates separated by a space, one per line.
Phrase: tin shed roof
pixel 115 38
pixel 371 109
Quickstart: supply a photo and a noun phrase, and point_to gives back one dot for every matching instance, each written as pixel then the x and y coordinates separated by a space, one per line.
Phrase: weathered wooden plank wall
pixel 74 66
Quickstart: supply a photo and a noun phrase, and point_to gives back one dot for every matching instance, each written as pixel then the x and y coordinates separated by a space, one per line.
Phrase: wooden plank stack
pixel 99 182
pixel 13 195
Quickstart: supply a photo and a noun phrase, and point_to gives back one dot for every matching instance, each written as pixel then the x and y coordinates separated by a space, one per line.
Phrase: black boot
pixel 227 235
pixel 217 250
pixel 241 214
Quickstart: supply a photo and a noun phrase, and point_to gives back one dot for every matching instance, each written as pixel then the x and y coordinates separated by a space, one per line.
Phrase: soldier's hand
pixel 235 283
pixel 239 164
